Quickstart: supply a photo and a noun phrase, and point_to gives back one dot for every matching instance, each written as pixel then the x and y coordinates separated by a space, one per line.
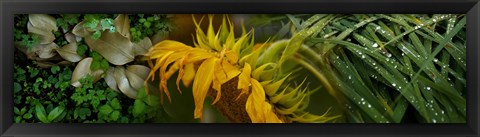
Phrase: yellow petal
pixel 270 116
pixel 255 103
pixel 158 64
pixel 231 38
pixel 251 110
pixel 213 42
pixel 188 75
pixel 230 70
pixel 244 79
pixel 201 84
pixel 238 45
pixel 198 55
pixel 169 45
pixel 173 57
pixel 232 57
pixel 219 75
pixel 200 35
pixel 174 68
pixel 179 63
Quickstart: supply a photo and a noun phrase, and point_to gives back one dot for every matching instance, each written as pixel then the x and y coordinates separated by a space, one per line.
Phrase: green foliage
pixel 147 25
pixel 98 62
pixel 384 64
pixel 146 107
pixel 110 111
pixel 46 96
pixel 98 23
pixel 21 34
pixel 31 94
pixel 67 20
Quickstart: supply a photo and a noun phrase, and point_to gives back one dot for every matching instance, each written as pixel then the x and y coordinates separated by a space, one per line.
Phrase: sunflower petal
pixel 230 70
pixel 188 75
pixel 198 55
pixel 172 58
pixel 232 57
pixel 217 78
pixel 202 83
pixel 244 79
pixel 255 105
pixel 231 38
pixel 270 116
pixel 212 38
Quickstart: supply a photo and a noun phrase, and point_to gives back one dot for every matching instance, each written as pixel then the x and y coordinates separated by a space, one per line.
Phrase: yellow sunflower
pixel 231 70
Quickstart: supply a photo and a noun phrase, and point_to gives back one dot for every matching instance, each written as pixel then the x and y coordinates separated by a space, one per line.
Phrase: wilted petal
pixel 43 21
pixel 42 25
pixel 122 24
pixel 80 71
pixel 123 82
pixel 141 48
pixel 136 74
pixel 44 36
pixel 79 30
pixel 47 51
pixel 160 36
pixel 110 80
pixel 69 52
pixel 115 48
pixel 201 85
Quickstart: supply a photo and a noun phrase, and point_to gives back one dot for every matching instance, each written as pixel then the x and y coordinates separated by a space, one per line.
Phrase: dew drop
pixel 394 84
pixel 389 55
pixel 375 45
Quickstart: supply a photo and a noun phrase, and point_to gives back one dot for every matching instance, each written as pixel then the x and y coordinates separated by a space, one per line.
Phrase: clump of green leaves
pixel 21 33
pixel 98 62
pixel 146 107
pixel 98 23
pixel 147 25
pixel 66 21
pixel 82 48
pixel 54 115
pixel 30 94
